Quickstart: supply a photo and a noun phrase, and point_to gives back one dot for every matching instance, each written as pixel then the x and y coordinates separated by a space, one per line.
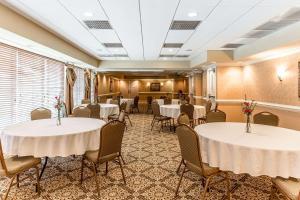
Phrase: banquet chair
pixel 266 118
pixel 290 188
pixel 13 167
pixel 111 133
pixel 40 113
pixel 149 104
pixel 127 113
pixel 189 143
pixel 116 116
pixel 157 117
pixel 167 101
pixel 135 105
pixel 208 106
pixel 215 116
pixel 85 101
pixel 114 101
pixel 95 110
pixel 189 110
pixel 81 111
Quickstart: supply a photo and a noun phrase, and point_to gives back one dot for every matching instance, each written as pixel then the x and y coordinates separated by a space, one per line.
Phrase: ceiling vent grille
pixel 258 33
pixel 184 25
pixel 166 56
pixel 113 55
pixel 275 25
pixel 173 45
pixel 97 24
pixel 113 45
pixel 292 14
pixel 232 45
pixel 182 56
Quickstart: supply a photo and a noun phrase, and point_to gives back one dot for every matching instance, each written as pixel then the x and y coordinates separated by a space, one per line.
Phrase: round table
pixel 173 111
pixel 107 109
pixel 160 101
pixel 268 150
pixel 128 101
pixel 43 138
pixel 175 101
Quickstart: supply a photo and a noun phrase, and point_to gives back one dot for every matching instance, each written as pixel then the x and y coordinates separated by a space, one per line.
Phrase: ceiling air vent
pixel 275 25
pixel 97 24
pixel 173 45
pixel 165 56
pixel 232 45
pixel 258 33
pixel 184 25
pixel 113 55
pixel 292 14
pixel 113 45
pixel 182 56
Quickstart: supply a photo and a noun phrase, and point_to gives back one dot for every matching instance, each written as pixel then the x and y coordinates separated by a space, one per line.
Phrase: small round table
pixel 173 111
pixel 268 150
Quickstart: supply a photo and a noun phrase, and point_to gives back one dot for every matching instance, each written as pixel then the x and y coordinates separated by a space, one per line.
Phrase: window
pixel 78 89
pixel 28 81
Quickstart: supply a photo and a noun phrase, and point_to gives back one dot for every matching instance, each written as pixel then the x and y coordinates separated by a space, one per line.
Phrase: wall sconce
pixel 281 73
pixel 161 84
pixel 148 84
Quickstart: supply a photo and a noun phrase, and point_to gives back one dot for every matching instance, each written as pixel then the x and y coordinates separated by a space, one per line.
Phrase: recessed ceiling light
pixel 88 14
pixel 170 50
pixel 192 14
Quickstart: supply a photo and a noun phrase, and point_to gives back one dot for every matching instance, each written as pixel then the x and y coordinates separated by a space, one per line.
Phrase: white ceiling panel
pixel 169 51
pixel 106 36
pixel 157 16
pixel 178 36
pixel 124 16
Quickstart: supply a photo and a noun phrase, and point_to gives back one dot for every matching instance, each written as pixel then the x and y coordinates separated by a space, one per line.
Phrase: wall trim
pixel 277 106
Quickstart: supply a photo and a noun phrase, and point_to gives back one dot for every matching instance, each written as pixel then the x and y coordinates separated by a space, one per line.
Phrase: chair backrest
pixel 189 145
pixel 114 101
pixel 123 106
pixel 127 109
pixel 82 111
pixel 149 99
pixel 64 110
pixel 136 100
pixel 215 116
pixel 111 137
pixel 40 113
pixel 208 105
pixel 85 101
pixel 167 101
pixel 3 168
pixel 188 109
pixel 122 116
pixel 155 108
pixel 95 110
pixel 266 118
pixel 183 119
pixel 187 98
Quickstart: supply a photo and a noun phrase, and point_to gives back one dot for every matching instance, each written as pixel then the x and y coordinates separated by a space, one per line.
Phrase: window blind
pixel 28 81
pixel 78 89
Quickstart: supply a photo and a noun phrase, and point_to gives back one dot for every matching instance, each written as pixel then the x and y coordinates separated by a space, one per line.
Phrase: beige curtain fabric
pixel 87 84
pixel 71 78
pixel 96 87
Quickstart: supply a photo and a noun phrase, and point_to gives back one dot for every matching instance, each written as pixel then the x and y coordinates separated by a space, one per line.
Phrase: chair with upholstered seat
pixel 127 113
pixel 183 119
pixel 167 101
pixel 114 101
pixel 208 106
pixel 85 101
pixel 111 136
pixel 12 167
pixel 81 111
pixel 189 143
pixel 116 116
pixel 157 117
pixel 40 113
pixel 215 116
pixel 189 110
pixel 135 105
pixel 266 118
pixel 95 110
pixel 290 188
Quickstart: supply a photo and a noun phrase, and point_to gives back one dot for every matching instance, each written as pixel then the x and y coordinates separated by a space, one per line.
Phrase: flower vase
pixel 58 121
pixel 248 123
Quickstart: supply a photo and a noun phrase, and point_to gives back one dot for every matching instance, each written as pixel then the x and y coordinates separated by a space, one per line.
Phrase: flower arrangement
pixel 247 108
pixel 58 106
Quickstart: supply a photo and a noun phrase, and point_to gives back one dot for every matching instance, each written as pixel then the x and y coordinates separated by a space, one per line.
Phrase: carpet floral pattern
pixel 151 162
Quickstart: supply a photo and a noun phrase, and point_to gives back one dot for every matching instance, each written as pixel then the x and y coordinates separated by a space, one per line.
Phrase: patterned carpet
pixel 151 161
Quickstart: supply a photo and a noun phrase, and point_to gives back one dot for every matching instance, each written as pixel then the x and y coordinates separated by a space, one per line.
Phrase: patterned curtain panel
pixel 87 84
pixel 71 78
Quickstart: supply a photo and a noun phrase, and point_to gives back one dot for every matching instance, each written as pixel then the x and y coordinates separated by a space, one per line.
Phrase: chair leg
pixel 129 120
pixel 37 180
pixel 9 186
pixel 206 186
pixel 122 159
pixel 176 193
pixel 227 184
pixel 81 171
pixel 44 167
pixel 18 180
pixel 122 170
pixel 152 125
pixel 96 178
pixel 106 168
pixel 178 168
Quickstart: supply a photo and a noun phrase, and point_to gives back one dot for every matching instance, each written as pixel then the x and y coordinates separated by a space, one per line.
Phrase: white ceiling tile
pixel 169 51
pixel 106 36
pixel 178 36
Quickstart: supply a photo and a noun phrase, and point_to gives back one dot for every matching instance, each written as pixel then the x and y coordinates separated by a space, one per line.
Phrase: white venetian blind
pixel 28 81
pixel 78 89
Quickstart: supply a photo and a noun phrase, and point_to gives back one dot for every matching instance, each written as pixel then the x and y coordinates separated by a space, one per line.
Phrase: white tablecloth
pixel 107 109
pixel 129 101
pixel 42 138
pixel 268 150
pixel 160 101
pixel 175 101
pixel 173 111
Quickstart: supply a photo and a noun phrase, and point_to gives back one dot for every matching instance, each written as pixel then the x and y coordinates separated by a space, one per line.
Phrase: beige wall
pixel 16 23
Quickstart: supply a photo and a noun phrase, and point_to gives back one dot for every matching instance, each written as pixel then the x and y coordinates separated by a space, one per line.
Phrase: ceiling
pixel 140 28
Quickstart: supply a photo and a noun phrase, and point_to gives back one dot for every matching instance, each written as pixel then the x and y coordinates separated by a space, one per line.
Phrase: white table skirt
pixel 160 101
pixel 175 101
pixel 174 111
pixel 42 138
pixel 268 150
pixel 128 101
pixel 107 109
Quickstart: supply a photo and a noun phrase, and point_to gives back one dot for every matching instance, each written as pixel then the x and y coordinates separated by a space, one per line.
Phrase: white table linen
pixel 175 101
pixel 268 150
pixel 107 109
pixel 173 111
pixel 160 101
pixel 40 138
pixel 128 101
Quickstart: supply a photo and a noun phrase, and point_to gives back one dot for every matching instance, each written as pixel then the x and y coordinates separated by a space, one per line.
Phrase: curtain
pixel 96 87
pixel 71 78
pixel 87 84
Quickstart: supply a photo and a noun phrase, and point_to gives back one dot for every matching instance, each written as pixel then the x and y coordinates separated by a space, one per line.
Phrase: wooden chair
pixel 216 116
pixel 13 167
pixel 290 188
pixel 81 111
pixel 40 113
pixel 157 117
pixel 135 105
pixel 85 101
pixel 95 110
pixel 189 110
pixel 190 151
pixel 266 118
pixel 111 133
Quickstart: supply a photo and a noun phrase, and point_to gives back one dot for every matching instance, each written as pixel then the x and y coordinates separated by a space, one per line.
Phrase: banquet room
pixel 149 99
